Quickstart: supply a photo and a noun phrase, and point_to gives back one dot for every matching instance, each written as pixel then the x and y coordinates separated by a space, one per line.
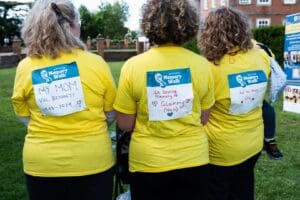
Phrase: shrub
pixel 192 45
pixel 273 37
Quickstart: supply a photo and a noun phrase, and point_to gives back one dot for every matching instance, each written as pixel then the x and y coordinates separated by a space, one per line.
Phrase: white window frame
pixel 205 4
pixel 244 2
pixel 289 1
pixel 223 2
pixel 266 3
pixel 213 4
pixel 268 20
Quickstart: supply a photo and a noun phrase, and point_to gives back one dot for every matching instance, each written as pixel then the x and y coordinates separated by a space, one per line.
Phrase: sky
pixel 134 9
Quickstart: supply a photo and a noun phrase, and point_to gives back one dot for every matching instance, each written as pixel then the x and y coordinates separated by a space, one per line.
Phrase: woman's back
pixel 95 81
pixel 235 124
pixel 167 114
pixel 81 80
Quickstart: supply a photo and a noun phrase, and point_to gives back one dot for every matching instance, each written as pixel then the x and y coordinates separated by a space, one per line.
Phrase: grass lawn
pixel 275 180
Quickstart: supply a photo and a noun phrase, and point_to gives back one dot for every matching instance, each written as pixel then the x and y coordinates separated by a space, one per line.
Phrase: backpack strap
pixel 265 48
pixel 122 160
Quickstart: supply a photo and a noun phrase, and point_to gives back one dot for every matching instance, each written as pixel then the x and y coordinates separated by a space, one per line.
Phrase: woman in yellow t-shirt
pixel 65 96
pixel 164 97
pixel 235 127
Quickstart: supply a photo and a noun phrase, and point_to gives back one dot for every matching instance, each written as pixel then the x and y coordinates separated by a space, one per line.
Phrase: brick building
pixel 207 5
pixel 261 12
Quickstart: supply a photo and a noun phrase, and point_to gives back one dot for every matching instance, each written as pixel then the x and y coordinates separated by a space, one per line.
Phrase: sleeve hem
pixel 108 109
pixel 129 112
pixel 22 114
pixel 207 106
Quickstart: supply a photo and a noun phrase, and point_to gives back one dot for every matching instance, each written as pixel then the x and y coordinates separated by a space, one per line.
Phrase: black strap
pixel 122 165
pixel 266 48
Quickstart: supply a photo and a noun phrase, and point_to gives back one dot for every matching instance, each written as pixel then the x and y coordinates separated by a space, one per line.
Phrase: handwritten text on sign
pixel 246 91
pixel 169 93
pixel 58 90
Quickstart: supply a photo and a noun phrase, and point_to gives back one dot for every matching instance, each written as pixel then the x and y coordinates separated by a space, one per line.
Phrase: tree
pixel 11 17
pixel 108 21
pixel 89 25
pixel 114 17
pixel 134 34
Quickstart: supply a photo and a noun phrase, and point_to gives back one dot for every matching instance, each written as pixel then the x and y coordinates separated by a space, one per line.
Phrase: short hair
pixel 46 31
pixel 222 30
pixel 169 21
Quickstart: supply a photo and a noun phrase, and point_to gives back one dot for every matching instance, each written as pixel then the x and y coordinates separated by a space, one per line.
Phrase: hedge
pixel 272 36
pixel 192 45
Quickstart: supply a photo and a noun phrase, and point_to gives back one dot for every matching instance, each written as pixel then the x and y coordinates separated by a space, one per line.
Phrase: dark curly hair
pixel 222 30
pixel 169 21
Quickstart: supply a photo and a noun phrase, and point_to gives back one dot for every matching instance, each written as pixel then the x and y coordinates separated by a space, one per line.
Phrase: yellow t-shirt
pixel 75 144
pixel 153 85
pixel 235 126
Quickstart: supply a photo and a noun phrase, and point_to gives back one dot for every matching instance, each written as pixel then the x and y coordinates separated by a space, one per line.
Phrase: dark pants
pixel 268 114
pixel 181 184
pixel 91 187
pixel 233 182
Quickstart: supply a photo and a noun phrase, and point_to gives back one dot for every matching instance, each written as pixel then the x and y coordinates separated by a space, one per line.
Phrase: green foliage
pixel 89 25
pixel 279 180
pixel 192 45
pixel 109 21
pixel 10 19
pixel 115 68
pixel 273 37
pixel 11 143
pixel 133 35
pixel 113 17
pixel 9 28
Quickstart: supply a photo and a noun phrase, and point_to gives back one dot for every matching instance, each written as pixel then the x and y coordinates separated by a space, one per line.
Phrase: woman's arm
pixel 126 122
pixel 24 120
pixel 110 117
pixel 205 116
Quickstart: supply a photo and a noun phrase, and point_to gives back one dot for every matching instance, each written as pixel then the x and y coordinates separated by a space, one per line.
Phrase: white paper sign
pixel 246 91
pixel 291 96
pixel 58 90
pixel 170 94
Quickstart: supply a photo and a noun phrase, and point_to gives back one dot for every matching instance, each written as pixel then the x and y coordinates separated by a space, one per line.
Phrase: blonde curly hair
pixel 169 21
pixel 47 29
pixel 223 30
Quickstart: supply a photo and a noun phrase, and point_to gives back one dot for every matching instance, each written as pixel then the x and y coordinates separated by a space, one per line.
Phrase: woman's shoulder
pixel 26 64
pixel 255 52
pixel 83 54
pixel 195 57
pixel 25 61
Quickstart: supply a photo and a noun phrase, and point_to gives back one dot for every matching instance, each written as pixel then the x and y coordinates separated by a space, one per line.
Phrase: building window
pixel 244 2
pixel 222 2
pixel 264 2
pixel 213 3
pixel 289 1
pixel 262 22
pixel 205 5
